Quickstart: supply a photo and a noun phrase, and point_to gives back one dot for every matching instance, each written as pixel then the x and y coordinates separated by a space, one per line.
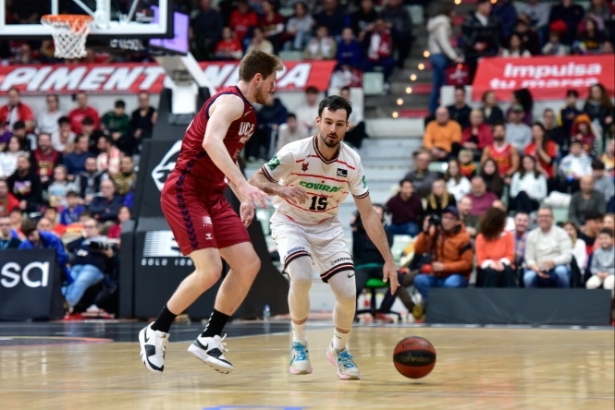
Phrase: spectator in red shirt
pixel 8 202
pixel 379 47
pixel 15 111
pixel 272 24
pixel 45 159
pixel 477 135
pixel 229 47
pixel 243 20
pixel 543 150
pixel 78 114
pixel 481 198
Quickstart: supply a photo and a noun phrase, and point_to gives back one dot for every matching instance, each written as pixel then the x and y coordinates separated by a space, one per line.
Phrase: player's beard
pixel 261 95
pixel 329 144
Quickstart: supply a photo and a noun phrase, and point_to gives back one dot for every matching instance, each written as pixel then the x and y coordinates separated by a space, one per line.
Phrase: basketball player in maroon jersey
pixel 203 223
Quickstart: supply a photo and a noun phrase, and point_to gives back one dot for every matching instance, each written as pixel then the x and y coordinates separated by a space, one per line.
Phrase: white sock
pixel 299 333
pixel 340 340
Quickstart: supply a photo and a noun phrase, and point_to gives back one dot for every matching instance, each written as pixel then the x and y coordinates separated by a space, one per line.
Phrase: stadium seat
pixel 290 55
pixel 372 287
pixel 416 14
pixel 373 83
pixel 438 166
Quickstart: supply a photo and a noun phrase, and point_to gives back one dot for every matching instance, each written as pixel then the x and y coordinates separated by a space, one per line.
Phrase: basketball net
pixel 69 32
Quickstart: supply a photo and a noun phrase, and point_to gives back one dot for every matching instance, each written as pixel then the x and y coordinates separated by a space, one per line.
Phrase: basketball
pixel 414 357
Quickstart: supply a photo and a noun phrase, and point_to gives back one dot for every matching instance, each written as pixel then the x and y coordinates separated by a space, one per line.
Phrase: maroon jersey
pixel 195 164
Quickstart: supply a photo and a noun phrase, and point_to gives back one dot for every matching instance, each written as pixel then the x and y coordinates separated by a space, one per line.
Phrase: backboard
pixel 112 19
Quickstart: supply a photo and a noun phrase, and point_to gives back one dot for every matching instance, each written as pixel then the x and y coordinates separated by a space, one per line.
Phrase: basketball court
pixel 97 366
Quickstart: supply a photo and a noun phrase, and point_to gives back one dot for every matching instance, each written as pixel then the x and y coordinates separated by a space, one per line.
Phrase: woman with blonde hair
pixel 439 199
pixel 579 247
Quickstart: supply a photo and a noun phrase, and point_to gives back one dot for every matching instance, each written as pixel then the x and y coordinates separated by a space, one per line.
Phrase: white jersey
pixel 327 182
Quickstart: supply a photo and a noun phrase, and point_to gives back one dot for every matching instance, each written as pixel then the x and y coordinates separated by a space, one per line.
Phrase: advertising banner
pixel 27 282
pixel 150 77
pixel 547 78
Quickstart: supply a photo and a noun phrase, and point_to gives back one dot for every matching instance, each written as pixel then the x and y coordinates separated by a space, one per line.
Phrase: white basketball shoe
pixel 211 351
pixel 346 367
pixel 300 360
pixel 153 347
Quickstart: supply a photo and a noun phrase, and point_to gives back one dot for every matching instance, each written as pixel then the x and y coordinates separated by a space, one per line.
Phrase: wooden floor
pixel 476 369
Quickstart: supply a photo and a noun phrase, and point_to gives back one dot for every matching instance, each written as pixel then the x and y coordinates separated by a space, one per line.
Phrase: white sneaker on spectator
pixel 153 347
pixel 211 351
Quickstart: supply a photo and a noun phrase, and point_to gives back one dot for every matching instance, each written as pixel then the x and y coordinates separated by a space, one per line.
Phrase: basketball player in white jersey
pixel 310 179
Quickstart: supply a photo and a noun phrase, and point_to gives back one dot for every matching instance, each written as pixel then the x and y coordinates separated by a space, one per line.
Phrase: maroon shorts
pixel 199 221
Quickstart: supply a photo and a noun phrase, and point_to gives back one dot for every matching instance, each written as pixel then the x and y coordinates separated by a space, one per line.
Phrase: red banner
pixel 132 78
pixel 547 78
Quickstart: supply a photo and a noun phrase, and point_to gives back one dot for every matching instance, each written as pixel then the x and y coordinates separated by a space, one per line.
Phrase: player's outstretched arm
pixel 375 231
pixel 291 193
pixel 222 113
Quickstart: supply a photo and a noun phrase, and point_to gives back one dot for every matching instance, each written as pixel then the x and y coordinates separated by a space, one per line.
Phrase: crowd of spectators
pixel 70 176
pixel 483 194
pixel 516 29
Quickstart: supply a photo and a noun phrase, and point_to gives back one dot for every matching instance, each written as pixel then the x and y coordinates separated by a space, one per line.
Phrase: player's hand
pixel 389 274
pixel 250 193
pixel 246 212
pixel 294 194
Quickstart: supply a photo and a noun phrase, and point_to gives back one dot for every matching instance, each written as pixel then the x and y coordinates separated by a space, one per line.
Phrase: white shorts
pixel 324 243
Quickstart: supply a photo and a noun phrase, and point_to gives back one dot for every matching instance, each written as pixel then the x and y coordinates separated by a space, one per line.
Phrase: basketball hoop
pixel 69 32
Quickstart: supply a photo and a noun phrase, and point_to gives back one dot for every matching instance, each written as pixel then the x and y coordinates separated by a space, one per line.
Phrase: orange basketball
pixel 414 357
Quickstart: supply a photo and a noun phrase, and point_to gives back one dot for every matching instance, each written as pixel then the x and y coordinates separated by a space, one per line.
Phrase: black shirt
pixel 461 115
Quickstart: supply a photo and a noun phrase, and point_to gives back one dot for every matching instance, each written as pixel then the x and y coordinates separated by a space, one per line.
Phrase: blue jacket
pixel 349 54
pixel 75 163
pixel 507 14
pixel 104 210
pixel 68 217
pixel 50 241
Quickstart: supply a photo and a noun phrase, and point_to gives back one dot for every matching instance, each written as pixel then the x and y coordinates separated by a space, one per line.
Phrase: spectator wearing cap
pixel 481 198
pixel 441 134
pixel 15 111
pixel 548 251
pixel 450 248
pixel 554 47
pixel 574 166
pixel 570 111
pixel 495 251
pixel 586 201
pixel 518 134
pixel 569 13
pixel 481 35
pixel 82 111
